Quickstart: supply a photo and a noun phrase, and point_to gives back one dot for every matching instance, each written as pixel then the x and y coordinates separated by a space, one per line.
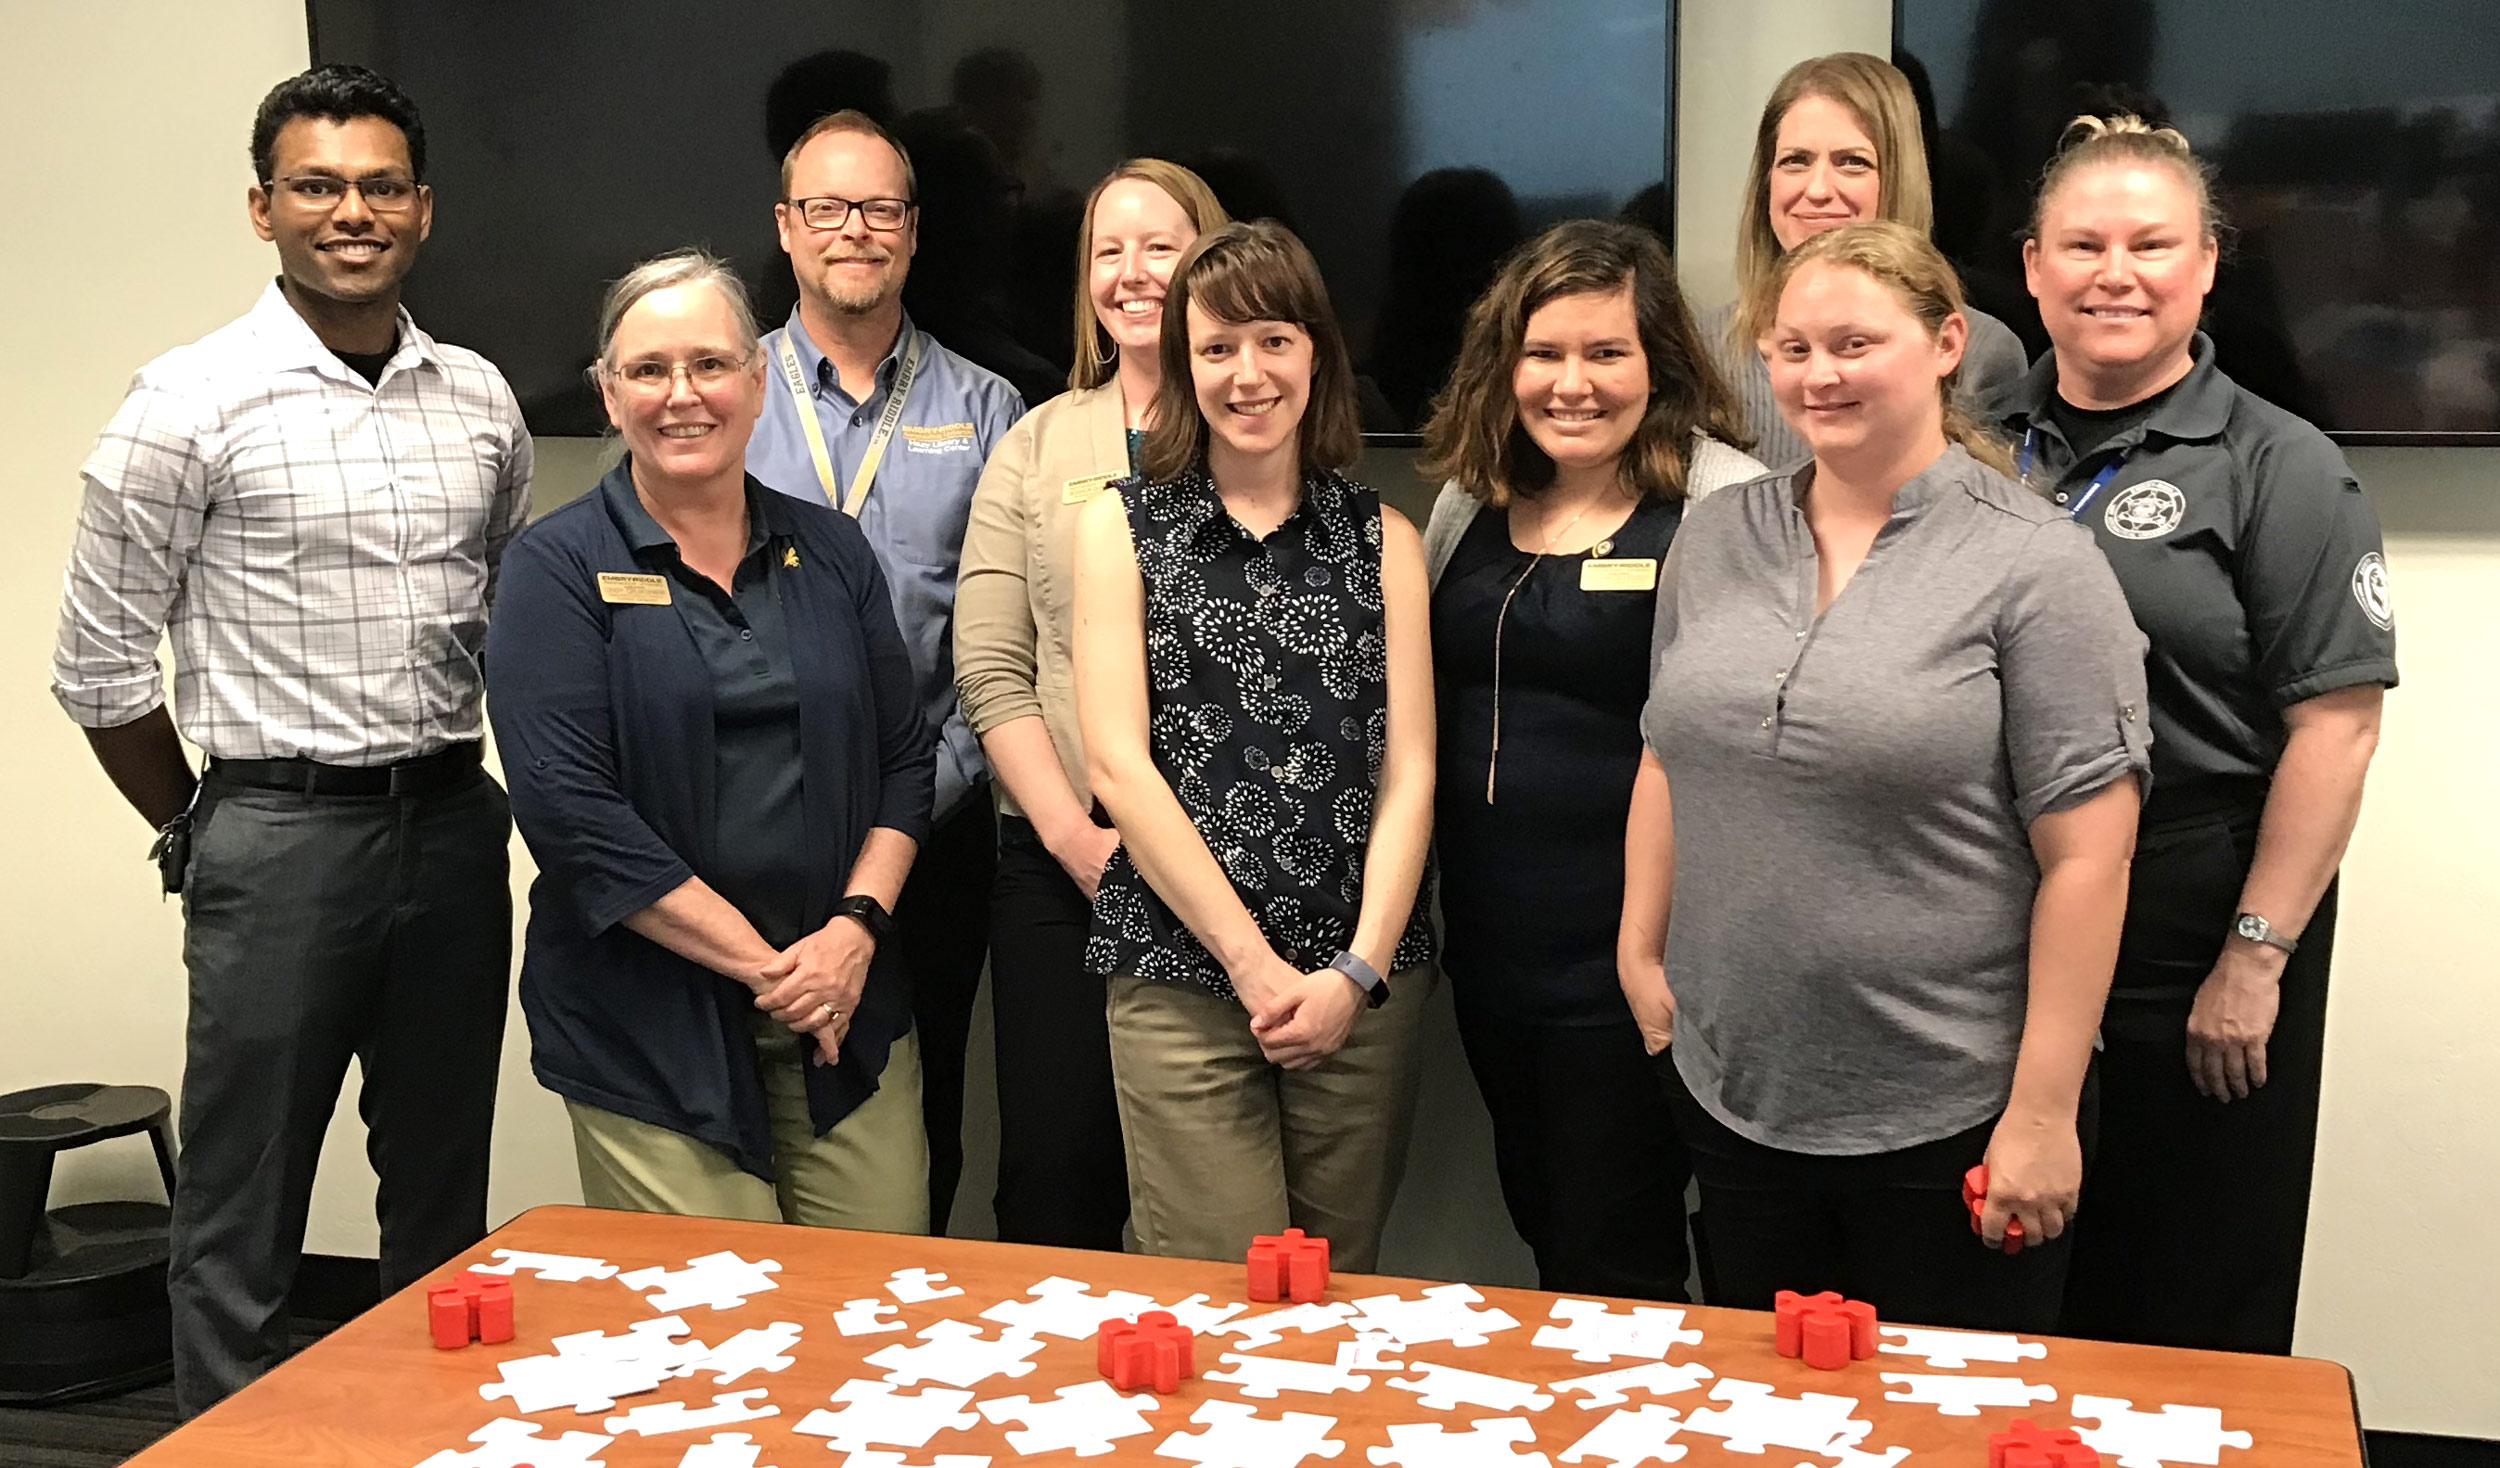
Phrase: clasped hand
pixel 813 986
pixel 2233 1019
pixel 1299 1019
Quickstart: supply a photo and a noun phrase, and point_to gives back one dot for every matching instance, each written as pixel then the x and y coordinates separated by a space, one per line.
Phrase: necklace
pixel 1493 764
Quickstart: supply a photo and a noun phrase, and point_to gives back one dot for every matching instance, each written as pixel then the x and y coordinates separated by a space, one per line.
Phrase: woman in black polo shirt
pixel 2251 560
pixel 706 716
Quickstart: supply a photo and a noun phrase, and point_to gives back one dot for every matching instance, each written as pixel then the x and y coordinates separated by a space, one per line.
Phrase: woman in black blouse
pixel 1584 411
pixel 1254 688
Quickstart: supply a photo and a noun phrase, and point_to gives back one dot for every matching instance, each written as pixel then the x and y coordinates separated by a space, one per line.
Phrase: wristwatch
pixel 2257 930
pixel 1366 978
pixel 870 912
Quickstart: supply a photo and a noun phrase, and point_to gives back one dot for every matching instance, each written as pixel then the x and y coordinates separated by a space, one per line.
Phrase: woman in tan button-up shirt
pixel 1062 1171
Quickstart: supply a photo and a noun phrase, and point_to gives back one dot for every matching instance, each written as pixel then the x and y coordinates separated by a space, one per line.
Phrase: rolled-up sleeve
pixel 2071 661
pixel 906 754
pixel 139 522
pixel 511 507
pixel 547 695
pixel 996 657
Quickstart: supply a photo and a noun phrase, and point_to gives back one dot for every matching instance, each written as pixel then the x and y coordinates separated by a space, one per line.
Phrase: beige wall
pixel 124 230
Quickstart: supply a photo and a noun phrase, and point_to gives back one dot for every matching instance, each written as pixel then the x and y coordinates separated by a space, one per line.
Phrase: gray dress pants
pixel 319 928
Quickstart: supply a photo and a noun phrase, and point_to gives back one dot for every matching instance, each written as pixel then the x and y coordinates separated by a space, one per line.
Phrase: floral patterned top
pixel 1267 678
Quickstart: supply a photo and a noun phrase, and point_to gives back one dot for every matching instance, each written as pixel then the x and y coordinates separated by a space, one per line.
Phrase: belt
pixel 427 774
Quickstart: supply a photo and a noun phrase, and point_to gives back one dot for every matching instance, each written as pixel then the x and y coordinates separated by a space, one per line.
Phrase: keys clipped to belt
pixel 172 850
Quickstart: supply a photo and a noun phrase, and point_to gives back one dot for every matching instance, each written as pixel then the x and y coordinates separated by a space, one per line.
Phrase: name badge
pixel 1630 573
pixel 620 589
pixel 1078 491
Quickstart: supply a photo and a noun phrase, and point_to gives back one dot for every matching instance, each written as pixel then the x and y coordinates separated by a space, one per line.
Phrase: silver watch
pixel 2257 930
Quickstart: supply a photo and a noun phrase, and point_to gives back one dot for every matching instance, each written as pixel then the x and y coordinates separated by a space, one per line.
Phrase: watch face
pixel 2252 927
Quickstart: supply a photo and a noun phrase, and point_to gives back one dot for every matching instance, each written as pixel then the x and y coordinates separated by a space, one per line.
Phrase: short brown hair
pixel 1474 436
pixel 1906 262
pixel 1879 96
pixel 1239 273
pixel 849 120
pixel 1094 361
pixel 2123 137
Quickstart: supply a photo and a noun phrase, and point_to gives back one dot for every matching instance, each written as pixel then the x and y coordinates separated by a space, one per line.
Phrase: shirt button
pixel 1766 723
pixel 1801 636
pixel 1779 677
pixel 2061 496
pixel 746 634
pixel 2127 712
pixel 1278 771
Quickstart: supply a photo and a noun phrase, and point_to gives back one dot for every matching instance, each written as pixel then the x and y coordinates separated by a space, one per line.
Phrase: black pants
pixel 2191 1229
pixel 1590 1165
pixel 1888 1228
pixel 1062 1172
pixel 319 928
pixel 942 922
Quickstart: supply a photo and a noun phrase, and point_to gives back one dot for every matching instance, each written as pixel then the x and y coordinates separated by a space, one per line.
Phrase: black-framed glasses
pixel 829 212
pixel 383 193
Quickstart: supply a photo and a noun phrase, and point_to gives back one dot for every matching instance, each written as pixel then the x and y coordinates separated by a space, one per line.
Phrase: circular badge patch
pixel 2369 588
pixel 2146 511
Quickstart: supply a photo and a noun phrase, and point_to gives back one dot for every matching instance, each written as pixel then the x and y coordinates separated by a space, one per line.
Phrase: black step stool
pixel 82 1288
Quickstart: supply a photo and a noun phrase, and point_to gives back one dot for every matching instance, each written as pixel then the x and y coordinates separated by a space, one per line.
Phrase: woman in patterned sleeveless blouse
pixel 1254 687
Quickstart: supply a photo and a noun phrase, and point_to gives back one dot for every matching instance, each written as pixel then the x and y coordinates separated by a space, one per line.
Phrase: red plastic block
pixel 447 1316
pixel 1825 1331
pixel 1975 1198
pixel 469 1308
pixel 1288 1266
pixel 1153 1351
pixel 2025 1445
pixel 492 1302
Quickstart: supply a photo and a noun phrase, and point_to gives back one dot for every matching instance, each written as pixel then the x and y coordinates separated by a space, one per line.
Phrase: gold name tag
pixel 936 432
pixel 617 588
pixel 1631 573
pixel 1078 491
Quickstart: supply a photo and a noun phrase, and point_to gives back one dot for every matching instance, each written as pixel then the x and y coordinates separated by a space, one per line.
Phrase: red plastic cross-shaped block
pixel 1288 1266
pixel 469 1308
pixel 2025 1445
pixel 1153 1351
pixel 1826 1331
pixel 1975 1198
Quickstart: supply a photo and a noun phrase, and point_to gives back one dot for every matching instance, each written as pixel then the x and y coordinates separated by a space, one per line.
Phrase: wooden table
pixel 377 1394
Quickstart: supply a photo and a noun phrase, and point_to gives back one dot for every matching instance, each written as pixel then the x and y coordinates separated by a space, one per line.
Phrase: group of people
pixel 1837 754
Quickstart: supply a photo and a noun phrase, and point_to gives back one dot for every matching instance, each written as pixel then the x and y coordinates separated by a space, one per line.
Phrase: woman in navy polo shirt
pixel 706 717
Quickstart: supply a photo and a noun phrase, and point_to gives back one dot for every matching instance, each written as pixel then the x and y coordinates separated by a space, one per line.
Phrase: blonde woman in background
pixel 1061 1176
pixel 1839 144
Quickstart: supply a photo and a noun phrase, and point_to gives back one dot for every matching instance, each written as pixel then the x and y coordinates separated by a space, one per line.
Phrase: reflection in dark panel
pixel 1411 143
pixel 2358 154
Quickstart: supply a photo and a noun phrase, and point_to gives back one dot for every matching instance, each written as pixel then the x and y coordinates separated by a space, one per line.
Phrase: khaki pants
pixel 1223 1146
pixel 870 1172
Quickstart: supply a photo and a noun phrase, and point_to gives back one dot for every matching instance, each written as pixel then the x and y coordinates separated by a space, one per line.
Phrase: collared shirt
pixel 1991 357
pixel 915 515
pixel 1854 791
pixel 321 549
pixel 2249 555
pixel 1268 700
pixel 744 639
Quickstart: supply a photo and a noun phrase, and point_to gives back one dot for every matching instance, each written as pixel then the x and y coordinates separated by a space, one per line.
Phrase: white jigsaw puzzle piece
pixel 1447 1388
pixel 1490 1443
pixel 1066 1308
pixel 719 1280
pixel 765 1348
pixel 583 1383
pixel 1261 1331
pixel 1198 1315
pixel 1754 1420
pixel 508 1442
pixel 1849 1457
pixel 649 1342
pixel 1641 1435
pixel 1963 1396
pixel 1445 1313
pixel 655 1418
pixel 865 1317
pixel 1236 1436
pixel 956 1354
pixel 1083 1419
pixel 1364 1353
pixel 874 1414
pixel 877 1458
pixel 919 1286
pixel 2175 1434
pixel 564 1268
pixel 1658 1378
pixel 1265 1376
pixel 1955 1349
pixel 1592 1332
pixel 724 1450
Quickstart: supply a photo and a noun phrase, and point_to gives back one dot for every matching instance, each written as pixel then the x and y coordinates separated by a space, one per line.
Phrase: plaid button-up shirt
pixel 321 549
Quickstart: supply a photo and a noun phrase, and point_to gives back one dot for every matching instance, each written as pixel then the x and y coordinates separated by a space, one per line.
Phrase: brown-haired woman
pixel 1254 673
pixel 1583 413
pixel 1062 1175
pixel 1838 144
pixel 1878 846
pixel 2251 558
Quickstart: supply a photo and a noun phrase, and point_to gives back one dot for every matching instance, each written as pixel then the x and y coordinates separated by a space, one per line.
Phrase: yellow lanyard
pixel 793 377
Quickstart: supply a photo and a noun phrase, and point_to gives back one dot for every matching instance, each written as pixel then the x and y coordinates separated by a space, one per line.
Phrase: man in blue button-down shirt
pixel 848 221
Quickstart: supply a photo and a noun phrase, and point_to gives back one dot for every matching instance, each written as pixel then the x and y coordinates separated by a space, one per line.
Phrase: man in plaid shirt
pixel 311 502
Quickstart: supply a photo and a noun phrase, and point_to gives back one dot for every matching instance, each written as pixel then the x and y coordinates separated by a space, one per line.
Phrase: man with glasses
pixel 312 501
pixel 869 414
